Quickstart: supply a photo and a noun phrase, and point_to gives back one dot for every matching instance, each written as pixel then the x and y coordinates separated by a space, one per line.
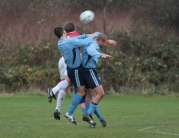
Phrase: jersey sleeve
pixel 91 50
pixel 81 42
pixel 83 36
pixel 97 33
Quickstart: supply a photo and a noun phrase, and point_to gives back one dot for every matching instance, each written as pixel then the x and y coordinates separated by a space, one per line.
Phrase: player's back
pixel 90 55
pixel 69 48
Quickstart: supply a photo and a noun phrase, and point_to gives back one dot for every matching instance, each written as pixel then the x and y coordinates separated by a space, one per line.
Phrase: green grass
pixel 127 117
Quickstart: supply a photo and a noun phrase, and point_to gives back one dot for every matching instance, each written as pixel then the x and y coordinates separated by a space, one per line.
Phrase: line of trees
pixel 146 31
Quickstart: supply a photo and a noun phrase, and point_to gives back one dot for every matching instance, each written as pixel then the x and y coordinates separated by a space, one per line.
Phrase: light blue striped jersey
pixel 91 54
pixel 69 48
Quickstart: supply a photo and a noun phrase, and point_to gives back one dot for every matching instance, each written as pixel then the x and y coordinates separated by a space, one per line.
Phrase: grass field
pixel 127 117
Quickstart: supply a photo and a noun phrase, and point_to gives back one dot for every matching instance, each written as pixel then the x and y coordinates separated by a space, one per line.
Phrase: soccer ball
pixel 87 17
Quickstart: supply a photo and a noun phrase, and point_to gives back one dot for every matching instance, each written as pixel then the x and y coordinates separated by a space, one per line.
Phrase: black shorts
pixel 91 78
pixel 76 76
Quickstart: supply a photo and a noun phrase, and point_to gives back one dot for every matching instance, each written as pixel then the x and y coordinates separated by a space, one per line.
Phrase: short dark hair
pixel 102 37
pixel 69 27
pixel 58 31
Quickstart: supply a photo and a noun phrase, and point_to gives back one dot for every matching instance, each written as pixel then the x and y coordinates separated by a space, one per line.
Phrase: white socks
pixel 60 86
pixel 60 99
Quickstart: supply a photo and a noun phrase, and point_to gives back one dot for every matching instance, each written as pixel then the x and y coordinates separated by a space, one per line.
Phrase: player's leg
pixel 89 97
pixel 91 81
pixel 74 103
pixel 99 95
pixel 100 117
pixel 60 99
pixel 93 106
pixel 76 100
pixel 76 77
pixel 60 86
pixel 82 102
pixel 82 105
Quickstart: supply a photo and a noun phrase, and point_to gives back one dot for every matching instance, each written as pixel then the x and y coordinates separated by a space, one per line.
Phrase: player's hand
pixel 111 42
pixel 105 56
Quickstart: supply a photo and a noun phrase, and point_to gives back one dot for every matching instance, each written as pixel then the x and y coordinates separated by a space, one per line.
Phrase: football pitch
pixel 126 117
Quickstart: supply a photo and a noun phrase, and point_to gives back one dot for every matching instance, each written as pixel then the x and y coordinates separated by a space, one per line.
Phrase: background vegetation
pixel 145 60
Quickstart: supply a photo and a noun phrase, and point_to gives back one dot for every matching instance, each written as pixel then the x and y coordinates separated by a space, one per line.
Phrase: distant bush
pixel 146 56
pixel 31 66
pixel 163 13
pixel 142 61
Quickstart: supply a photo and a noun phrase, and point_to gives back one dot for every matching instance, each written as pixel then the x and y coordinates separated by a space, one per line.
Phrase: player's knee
pixel 102 94
pixel 81 93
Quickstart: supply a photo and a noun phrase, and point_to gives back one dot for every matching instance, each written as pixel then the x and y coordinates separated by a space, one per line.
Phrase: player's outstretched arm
pixel 91 35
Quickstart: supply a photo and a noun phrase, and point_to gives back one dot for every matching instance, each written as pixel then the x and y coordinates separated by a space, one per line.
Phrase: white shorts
pixel 62 68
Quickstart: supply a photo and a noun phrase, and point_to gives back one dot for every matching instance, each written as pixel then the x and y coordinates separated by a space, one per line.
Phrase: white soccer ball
pixel 87 16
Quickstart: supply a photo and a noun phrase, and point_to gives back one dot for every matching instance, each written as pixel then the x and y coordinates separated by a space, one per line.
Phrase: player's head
pixel 102 40
pixel 59 32
pixel 69 27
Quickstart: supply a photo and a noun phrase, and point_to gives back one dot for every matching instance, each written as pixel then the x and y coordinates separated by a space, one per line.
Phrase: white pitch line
pixel 145 128
pixel 174 134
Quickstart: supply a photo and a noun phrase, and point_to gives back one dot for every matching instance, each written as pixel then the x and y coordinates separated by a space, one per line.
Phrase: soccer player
pixel 71 31
pixel 90 56
pixel 71 53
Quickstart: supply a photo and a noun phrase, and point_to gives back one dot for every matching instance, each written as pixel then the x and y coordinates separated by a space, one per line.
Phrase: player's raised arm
pixel 80 42
pixel 83 36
